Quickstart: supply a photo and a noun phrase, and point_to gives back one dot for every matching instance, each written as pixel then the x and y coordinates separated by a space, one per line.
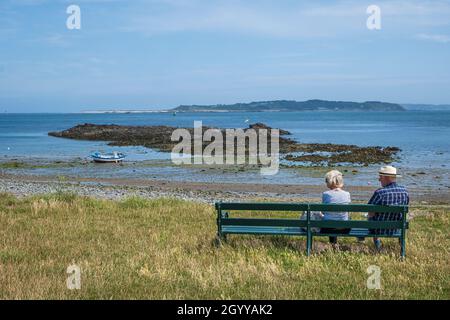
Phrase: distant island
pixel 273 106
pixel 291 105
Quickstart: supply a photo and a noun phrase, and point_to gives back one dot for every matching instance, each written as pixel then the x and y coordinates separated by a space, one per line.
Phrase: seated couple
pixel 390 193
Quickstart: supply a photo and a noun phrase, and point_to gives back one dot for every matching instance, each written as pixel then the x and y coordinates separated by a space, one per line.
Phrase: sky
pixel 158 54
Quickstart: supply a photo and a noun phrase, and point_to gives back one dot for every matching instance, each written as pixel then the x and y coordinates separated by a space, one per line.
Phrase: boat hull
pixel 107 158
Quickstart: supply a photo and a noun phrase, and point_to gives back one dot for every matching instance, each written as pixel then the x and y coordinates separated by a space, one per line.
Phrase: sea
pixel 423 137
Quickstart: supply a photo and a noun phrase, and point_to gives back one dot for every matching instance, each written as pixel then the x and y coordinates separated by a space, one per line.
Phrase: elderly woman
pixel 336 195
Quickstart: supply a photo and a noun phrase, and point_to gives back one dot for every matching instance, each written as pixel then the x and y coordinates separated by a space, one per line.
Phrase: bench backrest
pixel 223 209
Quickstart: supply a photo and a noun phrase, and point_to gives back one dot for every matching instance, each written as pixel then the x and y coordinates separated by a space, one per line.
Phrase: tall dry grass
pixel 163 249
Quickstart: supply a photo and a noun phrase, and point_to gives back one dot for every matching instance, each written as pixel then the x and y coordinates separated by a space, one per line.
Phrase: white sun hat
pixel 389 171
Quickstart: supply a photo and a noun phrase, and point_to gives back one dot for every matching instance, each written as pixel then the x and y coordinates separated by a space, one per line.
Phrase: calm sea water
pixel 423 136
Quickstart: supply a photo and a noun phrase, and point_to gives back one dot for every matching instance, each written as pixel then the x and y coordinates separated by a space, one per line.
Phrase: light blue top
pixel 336 196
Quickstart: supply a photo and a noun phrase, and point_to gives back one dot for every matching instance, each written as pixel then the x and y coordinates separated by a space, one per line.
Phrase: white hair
pixel 334 179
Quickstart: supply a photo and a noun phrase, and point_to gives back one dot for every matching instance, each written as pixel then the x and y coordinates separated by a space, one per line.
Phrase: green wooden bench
pixel 228 224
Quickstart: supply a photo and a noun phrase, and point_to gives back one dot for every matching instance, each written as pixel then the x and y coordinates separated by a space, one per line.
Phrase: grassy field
pixel 163 249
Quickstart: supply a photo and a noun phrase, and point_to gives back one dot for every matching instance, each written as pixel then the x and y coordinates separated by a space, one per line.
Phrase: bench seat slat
pixel 258 222
pixel 273 222
pixel 359 232
pixel 357 224
pixel 263 230
pixel 355 232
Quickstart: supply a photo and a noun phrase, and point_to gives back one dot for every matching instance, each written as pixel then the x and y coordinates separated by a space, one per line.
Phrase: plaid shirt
pixel 392 194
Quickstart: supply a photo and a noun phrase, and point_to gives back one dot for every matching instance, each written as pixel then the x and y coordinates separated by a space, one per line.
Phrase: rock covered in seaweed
pixel 159 138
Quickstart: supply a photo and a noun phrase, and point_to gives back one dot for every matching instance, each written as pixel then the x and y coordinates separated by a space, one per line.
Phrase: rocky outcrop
pixel 159 138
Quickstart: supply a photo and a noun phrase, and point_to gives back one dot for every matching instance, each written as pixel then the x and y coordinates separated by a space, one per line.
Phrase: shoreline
pixel 209 192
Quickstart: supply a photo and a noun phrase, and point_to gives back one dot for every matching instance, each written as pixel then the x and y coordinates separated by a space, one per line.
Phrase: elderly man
pixel 390 193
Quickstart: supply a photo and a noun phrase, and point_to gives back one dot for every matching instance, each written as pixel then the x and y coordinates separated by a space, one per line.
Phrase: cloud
pixel 55 39
pixel 67 2
pixel 299 19
pixel 441 38
pixel 266 18
pixel 263 18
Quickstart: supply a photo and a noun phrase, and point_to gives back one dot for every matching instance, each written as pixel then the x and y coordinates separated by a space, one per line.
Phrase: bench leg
pixel 220 239
pixel 308 244
pixel 403 247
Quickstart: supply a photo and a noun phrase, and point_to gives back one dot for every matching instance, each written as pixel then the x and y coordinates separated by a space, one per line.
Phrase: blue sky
pixel 151 54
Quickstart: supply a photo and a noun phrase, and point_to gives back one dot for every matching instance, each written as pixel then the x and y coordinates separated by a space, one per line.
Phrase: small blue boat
pixel 108 157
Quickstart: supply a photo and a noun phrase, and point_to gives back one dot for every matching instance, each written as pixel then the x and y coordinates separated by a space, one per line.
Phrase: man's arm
pixel 376 199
